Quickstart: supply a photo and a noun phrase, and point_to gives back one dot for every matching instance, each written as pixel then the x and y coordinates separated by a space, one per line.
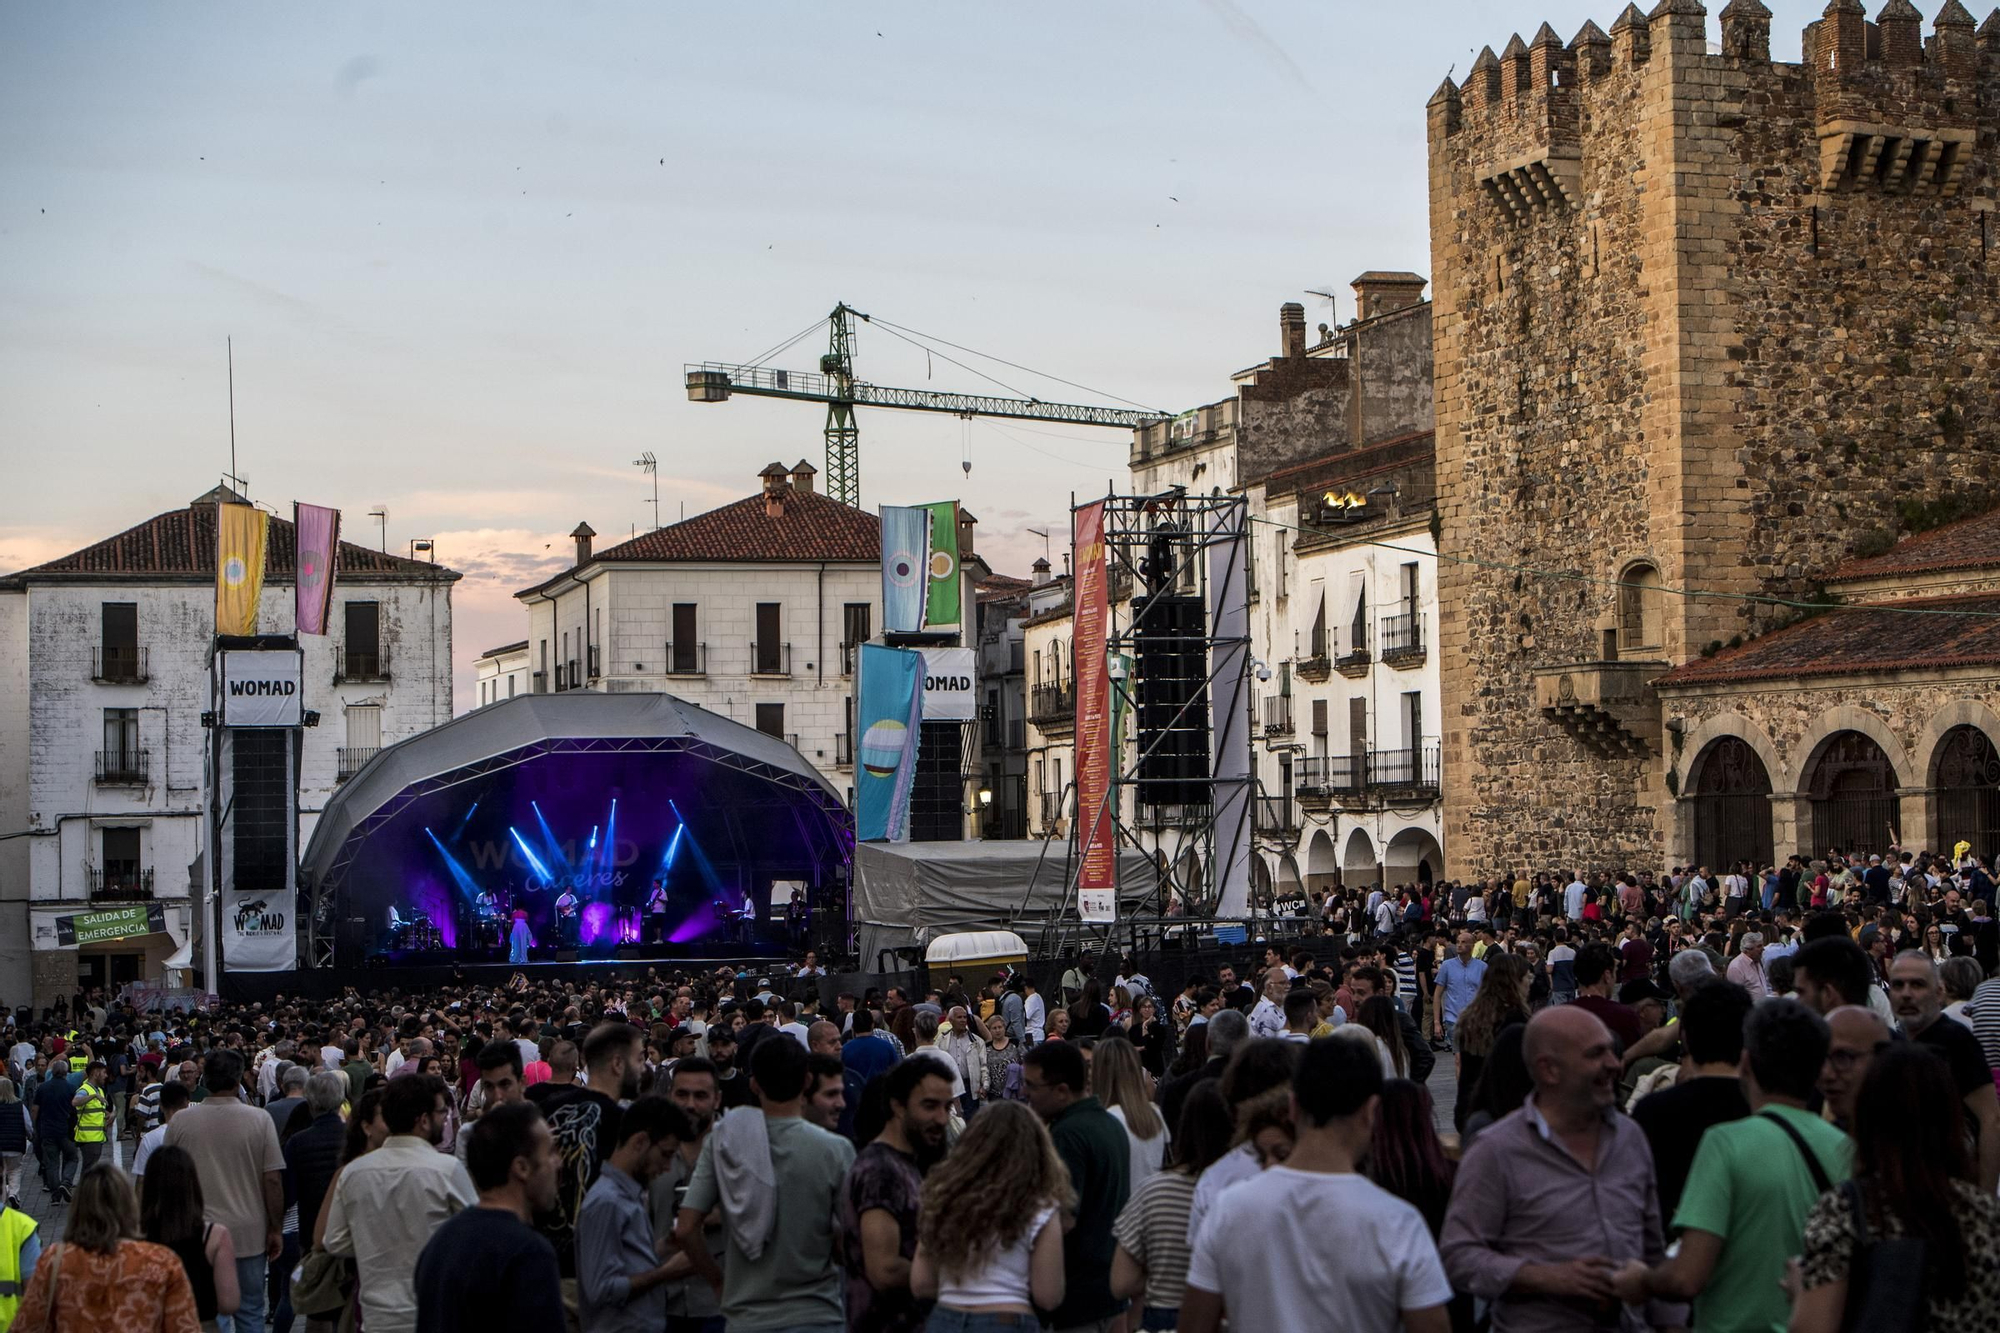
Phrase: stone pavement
pixel 35 1200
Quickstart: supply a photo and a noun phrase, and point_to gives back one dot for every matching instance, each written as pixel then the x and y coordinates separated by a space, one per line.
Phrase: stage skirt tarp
pixel 906 894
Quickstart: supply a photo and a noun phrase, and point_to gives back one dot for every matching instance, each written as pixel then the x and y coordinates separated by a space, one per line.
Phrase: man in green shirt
pixel 1743 1213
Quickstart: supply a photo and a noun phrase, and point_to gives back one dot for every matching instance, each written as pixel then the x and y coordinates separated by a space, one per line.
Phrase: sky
pixel 464 251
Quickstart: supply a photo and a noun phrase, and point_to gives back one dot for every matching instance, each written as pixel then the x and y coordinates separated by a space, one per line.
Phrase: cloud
pixel 1247 31
pixel 496 564
pixel 21 550
pixel 355 72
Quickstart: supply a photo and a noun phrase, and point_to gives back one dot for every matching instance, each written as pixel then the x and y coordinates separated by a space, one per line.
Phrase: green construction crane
pixel 834 384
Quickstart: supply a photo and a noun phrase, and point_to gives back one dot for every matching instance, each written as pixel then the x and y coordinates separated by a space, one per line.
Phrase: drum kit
pixel 417 933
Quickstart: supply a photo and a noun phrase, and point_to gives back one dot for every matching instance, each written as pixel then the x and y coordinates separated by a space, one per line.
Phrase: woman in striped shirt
pixel 1152 1231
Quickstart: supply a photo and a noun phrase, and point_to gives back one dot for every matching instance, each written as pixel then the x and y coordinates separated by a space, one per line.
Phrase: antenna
pixel 1332 306
pixel 1043 534
pixel 236 481
pixel 651 467
pixel 381 512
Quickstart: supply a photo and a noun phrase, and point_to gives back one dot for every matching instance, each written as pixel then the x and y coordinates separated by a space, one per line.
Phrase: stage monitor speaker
pixel 1170 652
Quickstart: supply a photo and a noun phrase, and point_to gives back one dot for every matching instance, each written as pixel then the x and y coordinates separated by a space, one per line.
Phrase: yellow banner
pixel 240 532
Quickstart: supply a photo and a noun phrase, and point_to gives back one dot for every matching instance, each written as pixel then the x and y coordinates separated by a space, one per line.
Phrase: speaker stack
pixel 1170 651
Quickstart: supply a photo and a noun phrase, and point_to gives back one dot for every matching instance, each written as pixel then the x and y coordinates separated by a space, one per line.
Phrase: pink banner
pixel 316 531
pixel 1097 844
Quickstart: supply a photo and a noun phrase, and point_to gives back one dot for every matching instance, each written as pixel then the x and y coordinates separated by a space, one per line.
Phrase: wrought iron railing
pixel 349 759
pixel 1051 703
pixel 124 767
pixel 119 666
pixel 119 883
pixel 770 659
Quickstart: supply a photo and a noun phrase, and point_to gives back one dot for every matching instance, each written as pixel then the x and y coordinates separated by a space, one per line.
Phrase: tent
pixel 909 893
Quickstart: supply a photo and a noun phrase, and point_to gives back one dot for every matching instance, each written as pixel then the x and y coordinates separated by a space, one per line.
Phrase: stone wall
pixel 1678 322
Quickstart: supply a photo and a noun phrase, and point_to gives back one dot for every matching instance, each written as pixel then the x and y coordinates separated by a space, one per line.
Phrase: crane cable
pixel 760 360
pixel 969 351
pixel 927 351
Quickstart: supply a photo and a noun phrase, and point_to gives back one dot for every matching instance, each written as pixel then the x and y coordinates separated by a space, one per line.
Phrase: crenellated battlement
pixel 1897 110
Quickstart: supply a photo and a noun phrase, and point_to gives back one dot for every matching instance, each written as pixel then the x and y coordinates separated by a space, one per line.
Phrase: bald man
pixel 1552 1199
pixel 1857 1034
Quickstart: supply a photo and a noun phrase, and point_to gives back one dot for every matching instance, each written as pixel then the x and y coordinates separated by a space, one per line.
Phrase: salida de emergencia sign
pixel 260 688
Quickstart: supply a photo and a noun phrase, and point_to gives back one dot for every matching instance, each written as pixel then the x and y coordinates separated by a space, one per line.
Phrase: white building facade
pixel 105 655
pixel 501 673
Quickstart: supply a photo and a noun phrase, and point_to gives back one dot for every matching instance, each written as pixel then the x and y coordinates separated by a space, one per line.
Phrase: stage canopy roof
pixel 467 792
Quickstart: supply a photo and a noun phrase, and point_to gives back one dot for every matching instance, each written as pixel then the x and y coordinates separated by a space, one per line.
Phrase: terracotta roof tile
pixel 1970 543
pixel 812 528
pixel 1883 637
pixel 179 545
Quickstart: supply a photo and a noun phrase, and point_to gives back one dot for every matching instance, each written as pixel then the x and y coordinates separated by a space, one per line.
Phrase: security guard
pixel 20 1247
pixel 91 1114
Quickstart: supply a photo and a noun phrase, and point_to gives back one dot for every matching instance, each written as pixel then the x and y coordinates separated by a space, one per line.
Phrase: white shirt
pixel 1573 900
pixel 1239 1163
pixel 149 1141
pixel 384 1209
pixel 1385 1264
pixel 1038 1018
pixel 1267 1019
pixel 797 1032
pixel 330 1057
pixel 1147 1154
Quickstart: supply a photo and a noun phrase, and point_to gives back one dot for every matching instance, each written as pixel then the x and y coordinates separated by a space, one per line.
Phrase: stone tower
pixel 1703 322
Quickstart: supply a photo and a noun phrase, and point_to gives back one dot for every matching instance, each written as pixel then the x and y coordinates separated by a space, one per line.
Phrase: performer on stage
pixel 485 905
pixel 519 941
pixel 746 919
pixel 566 917
pixel 656 913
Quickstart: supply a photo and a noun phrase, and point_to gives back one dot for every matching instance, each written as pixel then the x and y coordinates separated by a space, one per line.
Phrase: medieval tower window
pixel 1639 608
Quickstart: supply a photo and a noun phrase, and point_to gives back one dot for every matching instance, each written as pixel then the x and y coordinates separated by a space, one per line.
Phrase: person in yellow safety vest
pixel 91 1113
pixel 20 1249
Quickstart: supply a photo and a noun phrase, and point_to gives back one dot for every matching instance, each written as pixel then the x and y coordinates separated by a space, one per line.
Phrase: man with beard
pixel 388 1203
pixel 826 1091
pixel 619 1274
pixel 878 1201
pixel 730 1082
pixel 486 1268
pixel 692 1306
pixel 584 1121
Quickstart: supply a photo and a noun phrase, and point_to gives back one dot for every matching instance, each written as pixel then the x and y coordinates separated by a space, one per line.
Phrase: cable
pixel 759 360
pixel 1091 467
pixel 1572 576
pixel 890 330
pixel 1146 407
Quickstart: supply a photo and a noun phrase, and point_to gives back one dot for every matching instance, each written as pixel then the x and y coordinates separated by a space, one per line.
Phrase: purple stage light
pixel 599 922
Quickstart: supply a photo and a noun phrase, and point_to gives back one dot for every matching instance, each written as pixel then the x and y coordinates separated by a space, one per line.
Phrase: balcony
pixel 1608 707
pixel 843 751
pixel 1276 714
pixel 1317 668
pixel 124 768
pixel 1052 809
pixel 770 659
pixel 118 666
pixel 1412 772
pixel 687 659
pixel 119 883
pixel 360 668
pixel 1052 706
pixel 850 657
pixel 349 760
pixel 1273 815
pixel 595 666
pixel 1323 777
pixel 1403 640
pixel 538 683
pixel 1354 653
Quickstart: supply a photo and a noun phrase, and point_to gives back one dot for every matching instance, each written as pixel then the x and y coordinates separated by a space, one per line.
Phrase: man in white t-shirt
pixel 1573 898
pixel 1394 1282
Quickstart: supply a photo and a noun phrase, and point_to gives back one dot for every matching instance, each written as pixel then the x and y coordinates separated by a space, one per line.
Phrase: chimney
pixel 1379 293
pixel 802 476
pixel 1292 329
pixel 1040 570
pixel 584 532
pixel 965 525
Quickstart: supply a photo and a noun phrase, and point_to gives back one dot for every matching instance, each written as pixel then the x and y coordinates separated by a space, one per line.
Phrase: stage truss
pixel 1178 544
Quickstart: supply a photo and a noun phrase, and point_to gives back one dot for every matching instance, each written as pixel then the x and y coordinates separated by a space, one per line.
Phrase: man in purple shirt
pixel 1552 1199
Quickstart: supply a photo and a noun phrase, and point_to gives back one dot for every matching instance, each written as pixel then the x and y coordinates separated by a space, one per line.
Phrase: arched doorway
pixel 1360 869
pixel 1966 775
pixel 1732 805
pixel 1414 857
pixel 1322 864
pixel 1852 789
pixel 1260 881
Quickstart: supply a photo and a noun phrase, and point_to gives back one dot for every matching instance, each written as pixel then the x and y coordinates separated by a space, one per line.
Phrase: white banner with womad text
pixel 258 932
pixel 1097 904
pixel 260 688
pixel 951 681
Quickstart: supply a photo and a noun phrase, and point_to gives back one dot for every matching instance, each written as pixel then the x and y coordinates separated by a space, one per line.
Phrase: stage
pixel 580 828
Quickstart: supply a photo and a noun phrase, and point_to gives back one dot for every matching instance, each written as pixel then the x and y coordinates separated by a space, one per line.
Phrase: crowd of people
pixel 1744 1100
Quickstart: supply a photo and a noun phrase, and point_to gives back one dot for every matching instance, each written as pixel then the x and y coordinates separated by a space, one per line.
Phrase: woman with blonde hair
pixel 989 1234
pixel 102 1276
pixel 1119 1082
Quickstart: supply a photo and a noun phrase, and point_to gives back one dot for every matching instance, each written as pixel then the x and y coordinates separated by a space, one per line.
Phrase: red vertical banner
pixel 1097 876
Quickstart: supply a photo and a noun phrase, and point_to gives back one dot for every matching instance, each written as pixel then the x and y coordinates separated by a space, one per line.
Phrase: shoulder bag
pixel 1885 1277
